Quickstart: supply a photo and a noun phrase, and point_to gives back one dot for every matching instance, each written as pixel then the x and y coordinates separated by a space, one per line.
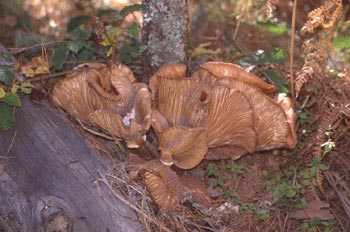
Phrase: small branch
pixel 95 132
pixel 291 72
pixel 129 204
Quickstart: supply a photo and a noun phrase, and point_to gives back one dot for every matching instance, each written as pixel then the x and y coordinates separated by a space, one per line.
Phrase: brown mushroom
pixel 184 147
pixel 196 190
pixel 233 72
pixel 108 98
pixel 163 184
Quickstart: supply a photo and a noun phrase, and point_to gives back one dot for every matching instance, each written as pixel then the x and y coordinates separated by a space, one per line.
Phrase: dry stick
pixel 133 207
pixel 291 73
pixel 95 132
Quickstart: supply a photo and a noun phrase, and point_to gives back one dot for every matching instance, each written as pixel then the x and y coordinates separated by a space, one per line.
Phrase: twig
pixel 291 72
pixel 133 207
pixel 12 141
pixel 19 50
pixel 56 74
pixel 95 132
pixel 239 19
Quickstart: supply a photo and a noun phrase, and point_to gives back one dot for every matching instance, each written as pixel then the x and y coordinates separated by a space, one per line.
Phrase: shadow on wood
pixel 48 184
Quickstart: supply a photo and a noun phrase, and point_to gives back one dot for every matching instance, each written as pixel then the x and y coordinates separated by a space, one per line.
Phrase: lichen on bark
pixel 164 30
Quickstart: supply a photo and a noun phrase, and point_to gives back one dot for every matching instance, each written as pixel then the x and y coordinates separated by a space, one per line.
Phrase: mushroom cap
pixel 234 73
pixel 159 122
pixel 163 184
pixel 231 120
pixel 98 87
pixel 182 101
pixel 184 147
pixel 197 190
pixel 270 120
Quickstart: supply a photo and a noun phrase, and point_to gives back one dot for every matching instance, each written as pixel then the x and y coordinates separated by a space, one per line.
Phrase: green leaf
pixel 59 56
pixel 212 170
pixel 341 42
pixel 6 75
pixel 26 88
pixel 277 80
pixel 128 9
pixel 12 99
pixel 76 45
pixel 323 167
pixel 6 117
pixel 276 29
pixel 290 193
pixel 263 214
pixel 84 55
pixel 76 22
pixel 218 182
pixel 133 30
pixel 274 56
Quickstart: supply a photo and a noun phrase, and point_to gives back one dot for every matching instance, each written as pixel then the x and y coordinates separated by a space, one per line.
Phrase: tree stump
pixel 48 182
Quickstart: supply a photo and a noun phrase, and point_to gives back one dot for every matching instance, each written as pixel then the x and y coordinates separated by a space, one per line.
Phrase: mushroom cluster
pixel 220 112
pixel 109 98
pixel 219 107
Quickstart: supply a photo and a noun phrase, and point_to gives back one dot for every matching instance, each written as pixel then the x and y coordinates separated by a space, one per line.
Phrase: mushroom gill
pixel 184 147
pixel 163 184
pixel 107 97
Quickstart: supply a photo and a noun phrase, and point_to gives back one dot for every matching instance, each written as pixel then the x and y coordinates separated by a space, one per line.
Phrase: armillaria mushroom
pixel 109 98
pixel 163 184
pixel 231 105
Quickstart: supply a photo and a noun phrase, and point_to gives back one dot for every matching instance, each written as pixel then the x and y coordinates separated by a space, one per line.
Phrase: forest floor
pixel 303 189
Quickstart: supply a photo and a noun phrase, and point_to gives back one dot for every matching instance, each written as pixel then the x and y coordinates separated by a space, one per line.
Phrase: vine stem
pixel 291 72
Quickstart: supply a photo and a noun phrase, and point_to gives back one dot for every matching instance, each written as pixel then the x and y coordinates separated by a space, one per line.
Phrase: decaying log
pixel 48 182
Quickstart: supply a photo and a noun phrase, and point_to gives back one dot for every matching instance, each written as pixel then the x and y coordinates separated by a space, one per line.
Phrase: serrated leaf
pixel 76 22
pixel 6 117
pixel 341 42
pixel 59 56
pixel 277 80
pixel 2 92
pixel 274 56
pixel 12 99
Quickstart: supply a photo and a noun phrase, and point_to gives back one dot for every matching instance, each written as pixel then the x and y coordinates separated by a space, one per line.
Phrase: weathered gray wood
pixel 51 177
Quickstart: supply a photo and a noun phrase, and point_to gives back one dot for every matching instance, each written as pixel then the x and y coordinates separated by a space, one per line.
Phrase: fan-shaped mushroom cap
pixel 230 121
pixel 197 190
pixel 183 146
pixel 98 87
pixel 163 184
pixel 107 98
pixel 182 101
pixel 234 72
pixel 159 122
pixel 225 152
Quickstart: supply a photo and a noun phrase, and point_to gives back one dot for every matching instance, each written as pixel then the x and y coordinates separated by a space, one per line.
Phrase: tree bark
pixel 165 32
pixel 48 183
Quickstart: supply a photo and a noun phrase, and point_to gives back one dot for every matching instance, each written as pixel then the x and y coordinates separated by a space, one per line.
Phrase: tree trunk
pixel 165 32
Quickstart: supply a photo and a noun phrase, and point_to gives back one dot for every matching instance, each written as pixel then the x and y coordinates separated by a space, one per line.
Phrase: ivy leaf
pixel 59 56
pixel 277 80
pixel 12 99
pixel 6 117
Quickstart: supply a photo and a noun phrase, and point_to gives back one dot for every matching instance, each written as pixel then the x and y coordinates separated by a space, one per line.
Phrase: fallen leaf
pixel 315 209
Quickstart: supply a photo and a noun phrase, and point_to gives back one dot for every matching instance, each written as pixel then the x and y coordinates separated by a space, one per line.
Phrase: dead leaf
pixel 38 65
pixel 315 208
